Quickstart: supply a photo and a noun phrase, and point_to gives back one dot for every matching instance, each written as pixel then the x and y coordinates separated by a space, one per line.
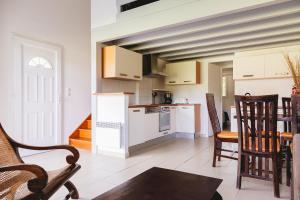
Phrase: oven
pixel 164 119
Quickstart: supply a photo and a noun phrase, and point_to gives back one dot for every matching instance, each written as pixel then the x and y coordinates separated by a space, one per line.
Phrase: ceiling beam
pixel 237 46
pixel 230 30
pixel 217 22
pixel 234 39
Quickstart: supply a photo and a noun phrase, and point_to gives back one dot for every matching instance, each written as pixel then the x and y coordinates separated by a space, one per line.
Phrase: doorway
pixel 221 84
pixel 227 95
pixel 38 92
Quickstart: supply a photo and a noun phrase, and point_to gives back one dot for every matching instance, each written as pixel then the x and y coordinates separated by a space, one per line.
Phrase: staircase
pixel 81 137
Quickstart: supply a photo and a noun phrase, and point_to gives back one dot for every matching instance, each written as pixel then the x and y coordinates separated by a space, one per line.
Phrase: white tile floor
pixel 101 173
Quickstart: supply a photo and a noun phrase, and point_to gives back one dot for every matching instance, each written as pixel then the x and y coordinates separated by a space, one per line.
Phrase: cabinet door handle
pixel 122 74
pixel 136 111
pixel 165 133
pixel 135 76
pixel 172 81
pixel 187 81
pixel 248 75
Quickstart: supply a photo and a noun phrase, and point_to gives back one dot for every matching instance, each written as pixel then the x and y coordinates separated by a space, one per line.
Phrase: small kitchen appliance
pixel 168 98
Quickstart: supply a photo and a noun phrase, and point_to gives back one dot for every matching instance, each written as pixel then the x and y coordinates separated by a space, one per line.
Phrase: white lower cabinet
pixel 144 127
pixel 185 119
pixel 172 119
pixel 151 126
pixel 136 126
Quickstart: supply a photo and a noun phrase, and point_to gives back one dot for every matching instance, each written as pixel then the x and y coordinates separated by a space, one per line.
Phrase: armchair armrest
pixel 35 184
pixel 71 159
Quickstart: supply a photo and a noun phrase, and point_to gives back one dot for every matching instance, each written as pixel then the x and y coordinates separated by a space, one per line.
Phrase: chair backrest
pixel 287 112
pixel 8 155
pixel 213 115
pixel 257 122
pixel 257 129
pixel 295 114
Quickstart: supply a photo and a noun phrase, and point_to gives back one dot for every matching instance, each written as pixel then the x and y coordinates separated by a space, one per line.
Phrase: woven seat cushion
pixel 227 135
pixel 287 135
pixel 23 191
pixel 263 148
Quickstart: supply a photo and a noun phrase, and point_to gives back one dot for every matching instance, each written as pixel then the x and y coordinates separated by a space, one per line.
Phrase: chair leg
pixel 215 154
pixel 220 151
pixel 73 192
pixel 239 177
pixel 288 167
pixel 275 177
pixel 239 182
pixel 280 166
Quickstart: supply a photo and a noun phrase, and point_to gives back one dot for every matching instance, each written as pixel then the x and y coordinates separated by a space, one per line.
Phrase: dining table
pixel 280 117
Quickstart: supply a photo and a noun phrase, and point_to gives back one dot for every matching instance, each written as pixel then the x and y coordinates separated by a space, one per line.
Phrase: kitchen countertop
pixel 154 105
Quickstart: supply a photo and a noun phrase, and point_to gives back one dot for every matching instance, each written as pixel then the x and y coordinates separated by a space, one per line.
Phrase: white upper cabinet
pixel 264 63
pixel 181 73
pixel 276 66
pixel 120 63
pixel 249 67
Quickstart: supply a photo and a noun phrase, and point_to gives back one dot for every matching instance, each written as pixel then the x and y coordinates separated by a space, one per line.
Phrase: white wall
pixel 64 23
pixel 103 12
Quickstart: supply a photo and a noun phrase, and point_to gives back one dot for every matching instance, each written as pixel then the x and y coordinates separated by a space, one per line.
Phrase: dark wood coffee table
pixel 164 184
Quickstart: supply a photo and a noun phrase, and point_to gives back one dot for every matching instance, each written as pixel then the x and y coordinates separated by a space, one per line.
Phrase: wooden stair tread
pixel 85 129
pixel 82 139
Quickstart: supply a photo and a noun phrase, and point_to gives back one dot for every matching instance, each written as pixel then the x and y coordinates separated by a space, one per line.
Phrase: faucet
pixel 186 100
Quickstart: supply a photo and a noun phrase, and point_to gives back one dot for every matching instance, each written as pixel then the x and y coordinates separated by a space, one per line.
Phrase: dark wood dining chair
pixel 19 180
pixel 295 114
pixel 258 139
pixel 295 131
pixel 286 136
pixel 219 135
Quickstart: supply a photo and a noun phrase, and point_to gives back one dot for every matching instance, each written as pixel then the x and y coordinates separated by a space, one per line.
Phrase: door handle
pixel 136 111
pixel 122 74
pixel 135 76
pixel 187 81
pixel 172 81
pixel 248 75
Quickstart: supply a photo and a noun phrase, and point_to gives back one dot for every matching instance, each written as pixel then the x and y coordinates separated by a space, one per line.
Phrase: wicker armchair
pixel 26 181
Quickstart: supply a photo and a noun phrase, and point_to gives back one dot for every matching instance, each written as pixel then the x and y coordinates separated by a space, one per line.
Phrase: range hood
pixel 153 66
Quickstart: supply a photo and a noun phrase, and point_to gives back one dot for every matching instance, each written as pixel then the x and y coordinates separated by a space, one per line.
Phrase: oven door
pixel 164 121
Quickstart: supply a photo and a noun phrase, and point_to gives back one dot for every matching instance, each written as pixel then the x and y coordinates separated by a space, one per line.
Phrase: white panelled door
pixel 39 93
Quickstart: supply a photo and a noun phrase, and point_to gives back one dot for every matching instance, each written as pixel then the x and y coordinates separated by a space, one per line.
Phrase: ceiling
pixel 268 26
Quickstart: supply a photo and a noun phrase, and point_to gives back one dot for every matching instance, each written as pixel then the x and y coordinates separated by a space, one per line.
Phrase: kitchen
pixel 149 106
pixel 216 40
pixel 148 113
